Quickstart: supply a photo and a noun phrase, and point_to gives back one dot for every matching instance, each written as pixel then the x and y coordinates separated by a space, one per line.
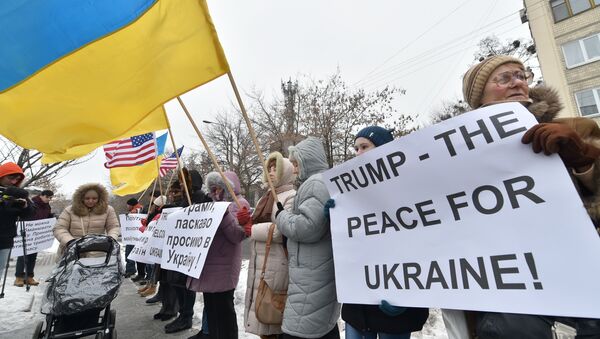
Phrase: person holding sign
pixel 503 78
pixel 89 214
pixel 281 173
pixel 311 309
pixel 42 211
pixel 384 320
pixel 223 263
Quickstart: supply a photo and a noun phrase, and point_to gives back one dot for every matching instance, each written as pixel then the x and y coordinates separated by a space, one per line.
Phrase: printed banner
pixel 189 235
pixel 38 236
pixel 149 247
pixel 463 215
pixel 130 227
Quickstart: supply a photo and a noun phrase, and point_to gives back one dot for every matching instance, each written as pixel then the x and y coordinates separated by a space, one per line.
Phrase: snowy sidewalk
pixel 20 310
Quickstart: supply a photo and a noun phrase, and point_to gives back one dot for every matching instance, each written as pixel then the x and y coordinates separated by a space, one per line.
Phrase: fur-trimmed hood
pixel 545 103
pixel 79 208
pixel 284 170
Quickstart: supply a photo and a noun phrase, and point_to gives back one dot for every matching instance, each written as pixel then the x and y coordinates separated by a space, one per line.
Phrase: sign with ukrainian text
pixel 148 248
pixel 38 236
pixel 188 236
pixel 130 227
pixel 463 215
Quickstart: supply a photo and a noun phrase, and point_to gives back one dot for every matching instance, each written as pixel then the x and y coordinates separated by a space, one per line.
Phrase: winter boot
pixel 19 282
pixel 149 291
pixel 143 288
pixel 32 282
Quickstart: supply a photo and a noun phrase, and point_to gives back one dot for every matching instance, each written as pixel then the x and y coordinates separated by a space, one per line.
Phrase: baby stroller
pixel 84 283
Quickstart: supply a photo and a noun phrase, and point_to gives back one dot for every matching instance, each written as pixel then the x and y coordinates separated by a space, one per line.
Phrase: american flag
pixel 169 163
pixel 131 151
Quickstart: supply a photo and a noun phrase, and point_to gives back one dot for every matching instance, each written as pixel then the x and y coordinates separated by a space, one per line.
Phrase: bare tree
pixel 523 49
pixel 325 108
pixel 230 140
pixel 36 173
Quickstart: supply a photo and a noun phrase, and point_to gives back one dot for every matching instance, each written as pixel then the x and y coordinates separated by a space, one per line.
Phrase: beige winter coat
pixel 276 272
pixel 77 220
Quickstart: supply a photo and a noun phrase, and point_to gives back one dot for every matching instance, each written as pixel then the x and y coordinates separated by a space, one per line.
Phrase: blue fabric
pixel 35 33
pixel 352 333
pixel 161 142
pixel 390 309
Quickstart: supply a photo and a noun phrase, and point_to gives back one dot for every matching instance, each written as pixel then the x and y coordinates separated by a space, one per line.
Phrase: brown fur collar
pixel 546 103
pixel 79 209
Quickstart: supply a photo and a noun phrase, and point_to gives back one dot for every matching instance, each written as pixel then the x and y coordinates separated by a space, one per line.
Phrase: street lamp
pixel 228 143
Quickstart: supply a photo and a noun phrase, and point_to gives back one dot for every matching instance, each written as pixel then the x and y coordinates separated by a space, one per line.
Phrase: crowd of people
pixel 290 237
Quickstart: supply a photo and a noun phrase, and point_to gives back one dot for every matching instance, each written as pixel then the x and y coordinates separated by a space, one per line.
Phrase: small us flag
pixel 131 151
pixel 169 163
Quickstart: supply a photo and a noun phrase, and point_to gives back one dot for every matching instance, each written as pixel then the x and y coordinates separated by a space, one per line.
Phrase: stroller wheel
pixel 37 333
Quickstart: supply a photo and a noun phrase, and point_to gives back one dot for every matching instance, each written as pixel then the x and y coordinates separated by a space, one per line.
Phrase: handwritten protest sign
pixel 148 249
pixel 189 235
pixel 463 215
pixel 130 227
pixel 38 236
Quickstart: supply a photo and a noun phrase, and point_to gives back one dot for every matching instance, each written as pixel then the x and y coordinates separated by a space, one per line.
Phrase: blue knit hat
pixel 377 135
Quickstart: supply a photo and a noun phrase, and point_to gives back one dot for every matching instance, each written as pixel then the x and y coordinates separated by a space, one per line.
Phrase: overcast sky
pixel 423 47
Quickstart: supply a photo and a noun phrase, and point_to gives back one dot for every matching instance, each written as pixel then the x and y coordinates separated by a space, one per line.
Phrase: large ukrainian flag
pixel 75 73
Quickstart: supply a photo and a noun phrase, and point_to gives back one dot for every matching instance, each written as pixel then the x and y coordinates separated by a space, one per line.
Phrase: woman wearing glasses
pixel 500 79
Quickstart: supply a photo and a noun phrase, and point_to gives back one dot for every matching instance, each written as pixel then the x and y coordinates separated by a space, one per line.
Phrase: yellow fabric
pixel 153 122
pixel 101 91
pixel 130 180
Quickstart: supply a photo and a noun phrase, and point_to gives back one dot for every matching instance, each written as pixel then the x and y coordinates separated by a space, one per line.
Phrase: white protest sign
pixel 462 215
pixel 189 234
pixel 130 227
pixel 38 236
pixel 149 247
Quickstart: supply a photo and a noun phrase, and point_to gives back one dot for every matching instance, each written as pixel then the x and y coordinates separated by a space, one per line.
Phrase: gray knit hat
pixel 477 76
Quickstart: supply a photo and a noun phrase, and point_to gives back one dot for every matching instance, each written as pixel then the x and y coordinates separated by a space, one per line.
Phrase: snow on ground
pixel 19 308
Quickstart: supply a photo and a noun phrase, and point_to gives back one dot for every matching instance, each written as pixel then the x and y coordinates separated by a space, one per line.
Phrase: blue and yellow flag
pixel 75 73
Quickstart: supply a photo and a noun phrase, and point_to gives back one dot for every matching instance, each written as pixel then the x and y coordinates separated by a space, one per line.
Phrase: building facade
pixel 567 38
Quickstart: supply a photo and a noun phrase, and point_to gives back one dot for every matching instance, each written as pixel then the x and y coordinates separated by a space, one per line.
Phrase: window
pixel 582 51
pixel 592 46
pixel 578 6
pixel 563 9
pixel 588 101
pixel 560 10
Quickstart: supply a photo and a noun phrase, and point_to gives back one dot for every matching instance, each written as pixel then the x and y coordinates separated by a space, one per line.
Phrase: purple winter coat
pixel 221 270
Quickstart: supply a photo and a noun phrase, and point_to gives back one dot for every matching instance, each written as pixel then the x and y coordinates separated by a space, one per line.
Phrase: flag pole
pixel 210 153
pixel 152 196
pixel 144 192
pixel 179 164
pixel 171 179
pixel 157 167
pixel 252 134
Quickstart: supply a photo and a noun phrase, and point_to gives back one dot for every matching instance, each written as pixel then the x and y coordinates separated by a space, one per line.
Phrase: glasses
pixel 508 77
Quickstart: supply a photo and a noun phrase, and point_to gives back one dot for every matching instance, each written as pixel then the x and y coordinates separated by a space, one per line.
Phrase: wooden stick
pixel 171 179
pixel 158 176
pixel 179 164
pixel 152 196
pixel 210 153
pixel 146 190
pixel 252 134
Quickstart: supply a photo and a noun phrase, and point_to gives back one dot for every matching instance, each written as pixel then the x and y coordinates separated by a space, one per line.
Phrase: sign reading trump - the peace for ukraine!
pixel 463 215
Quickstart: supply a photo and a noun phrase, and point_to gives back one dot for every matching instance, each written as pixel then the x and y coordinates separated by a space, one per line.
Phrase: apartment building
pixel 567 38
